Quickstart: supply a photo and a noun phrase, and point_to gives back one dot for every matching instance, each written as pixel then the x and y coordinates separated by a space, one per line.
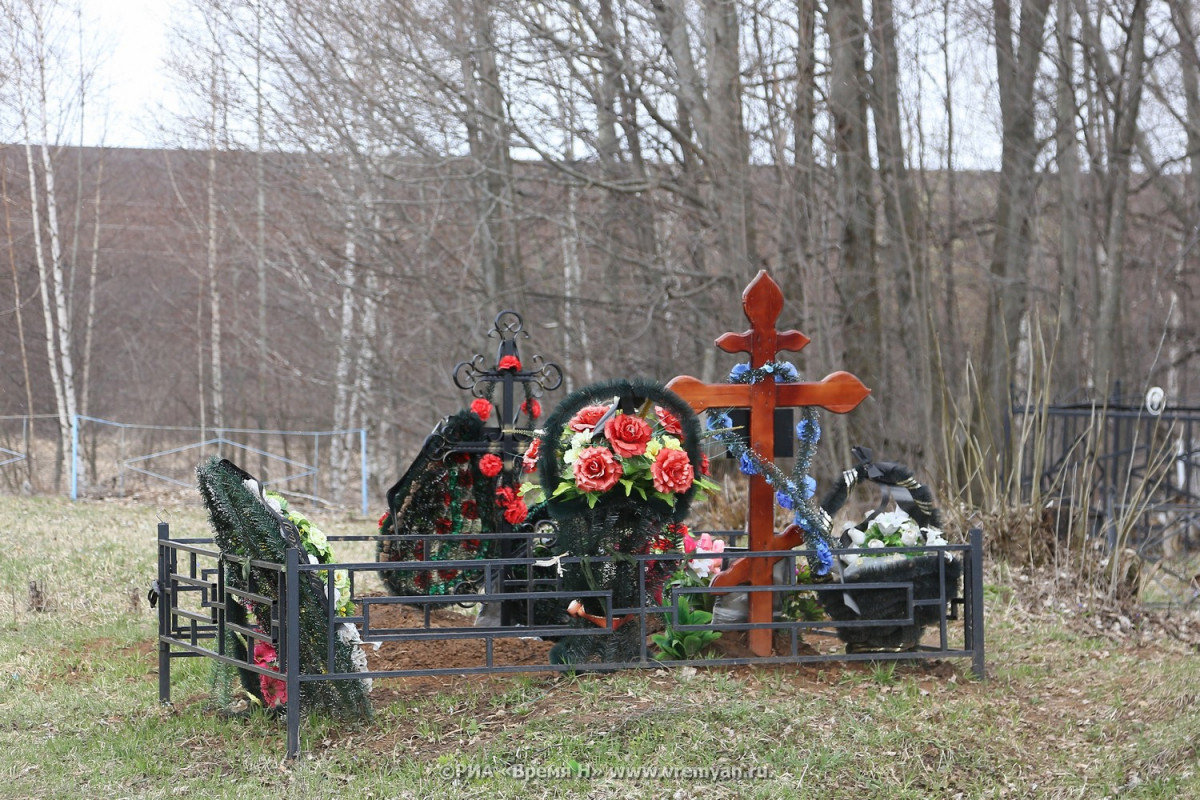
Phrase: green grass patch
pixel 1062 715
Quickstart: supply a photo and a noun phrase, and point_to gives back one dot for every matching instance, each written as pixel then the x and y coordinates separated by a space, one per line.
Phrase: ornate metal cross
pixel 839 392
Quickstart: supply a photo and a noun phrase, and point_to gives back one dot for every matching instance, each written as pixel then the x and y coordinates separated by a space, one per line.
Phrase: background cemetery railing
pixel 1126 474
pixel 119 459
pixel 192 614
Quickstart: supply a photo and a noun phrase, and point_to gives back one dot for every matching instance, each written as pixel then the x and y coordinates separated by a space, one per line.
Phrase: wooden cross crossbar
pixel 839 392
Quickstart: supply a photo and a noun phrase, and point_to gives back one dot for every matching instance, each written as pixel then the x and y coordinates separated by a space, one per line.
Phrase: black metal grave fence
pixel 194 613
pixel 1128 474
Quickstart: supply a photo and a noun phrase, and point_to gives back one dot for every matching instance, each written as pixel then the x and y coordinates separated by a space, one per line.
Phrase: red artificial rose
pixel 669 421
pixel 509 362
pixel 490 465
pixel 596 470
pixel 627 434
pixel 705 465
pixel 529 460
pixel 482 408
pixel 532 407
pixel 672 471
pixel 586 418
pixel 443 526
pixel 515 513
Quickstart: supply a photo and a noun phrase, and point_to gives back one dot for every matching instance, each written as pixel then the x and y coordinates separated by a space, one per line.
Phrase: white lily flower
pixel 889 521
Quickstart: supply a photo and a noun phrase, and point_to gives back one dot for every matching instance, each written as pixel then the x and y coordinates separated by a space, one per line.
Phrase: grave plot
pixel 509 548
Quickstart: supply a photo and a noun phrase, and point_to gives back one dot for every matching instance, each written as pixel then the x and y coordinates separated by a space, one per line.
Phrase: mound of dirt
pixel 444 653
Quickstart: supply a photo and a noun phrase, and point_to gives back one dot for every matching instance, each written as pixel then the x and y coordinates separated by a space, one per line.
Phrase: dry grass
pixel 1076 705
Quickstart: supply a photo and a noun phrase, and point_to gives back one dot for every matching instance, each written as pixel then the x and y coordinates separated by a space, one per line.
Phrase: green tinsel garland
pixel 244 525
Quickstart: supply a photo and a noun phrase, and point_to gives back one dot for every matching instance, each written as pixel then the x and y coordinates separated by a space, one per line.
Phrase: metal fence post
pixel 976 589
pixel 291 622
pixel 74 457
pixel 166 598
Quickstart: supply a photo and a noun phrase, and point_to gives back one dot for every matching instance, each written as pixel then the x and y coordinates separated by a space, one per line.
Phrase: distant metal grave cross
pixel 839 392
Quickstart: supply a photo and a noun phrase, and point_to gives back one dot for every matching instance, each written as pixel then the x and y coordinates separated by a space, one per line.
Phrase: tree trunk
pixel 1067 376
pixel 1182 15
pixel 1016 69
pixel 1105 367
pixel 857 281
pixel 906 264
pixel 18 309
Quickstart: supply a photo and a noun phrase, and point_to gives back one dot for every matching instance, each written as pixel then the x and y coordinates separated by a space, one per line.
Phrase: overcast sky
pixel 131 35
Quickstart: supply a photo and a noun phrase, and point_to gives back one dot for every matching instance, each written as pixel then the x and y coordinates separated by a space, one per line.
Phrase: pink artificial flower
pixel 530 459
pixel 689 541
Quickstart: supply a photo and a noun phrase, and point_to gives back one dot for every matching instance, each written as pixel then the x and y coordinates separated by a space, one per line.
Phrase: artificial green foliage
pixel 677 644
pixel 244 525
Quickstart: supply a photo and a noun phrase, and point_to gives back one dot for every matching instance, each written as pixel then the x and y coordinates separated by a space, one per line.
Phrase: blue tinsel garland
pixel 797 492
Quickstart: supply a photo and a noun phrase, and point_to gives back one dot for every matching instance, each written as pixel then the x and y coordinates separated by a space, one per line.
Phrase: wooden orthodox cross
pixel 839 392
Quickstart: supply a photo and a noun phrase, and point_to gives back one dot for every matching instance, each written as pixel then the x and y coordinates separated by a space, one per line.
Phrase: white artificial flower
pixel 850 559
pixel 875 543
pixel 934 538
pixel 857 537
pixel 889 521
pixel 910 534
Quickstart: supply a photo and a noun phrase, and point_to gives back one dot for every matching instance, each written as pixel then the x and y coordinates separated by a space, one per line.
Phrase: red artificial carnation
pixel 509 362
pixel 586 418
pixel 383 519
pixel 530 459
pixel 505 495
pixel 470 509
pixel 443 526
pixel 482 408
pixel 532 407
pixel 515 512
pixel 490 465
pixel 672 471
pixel 596 470
pixel 669 421
pixel 628 435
